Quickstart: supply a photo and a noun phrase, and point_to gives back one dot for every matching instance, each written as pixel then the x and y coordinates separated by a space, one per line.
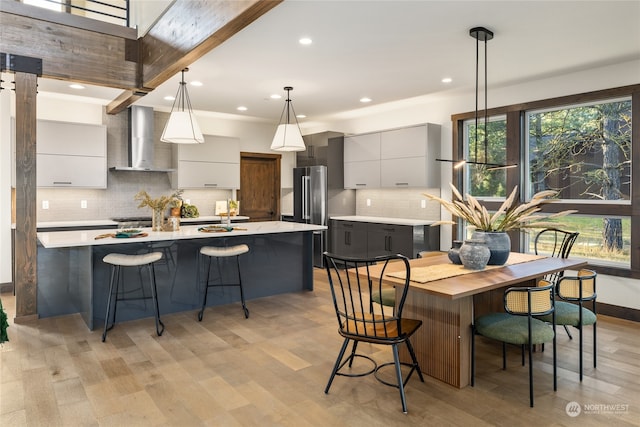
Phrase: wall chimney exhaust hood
pixel 140 144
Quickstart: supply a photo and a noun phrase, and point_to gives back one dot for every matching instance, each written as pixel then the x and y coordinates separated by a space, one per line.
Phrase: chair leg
pixel 504 356
pixel 594 344
pixel 244 307
pixel 568 333
pixel 337 364
pixel 531 376
pixel 106 316
pixel 416 366
pixel 353 353
pixel 473 355
pixel 396 360
pixel 206 287
pixel 154 296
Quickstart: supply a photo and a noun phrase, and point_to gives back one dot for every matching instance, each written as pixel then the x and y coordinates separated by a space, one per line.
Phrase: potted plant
pixel 492 228
pixel 158 206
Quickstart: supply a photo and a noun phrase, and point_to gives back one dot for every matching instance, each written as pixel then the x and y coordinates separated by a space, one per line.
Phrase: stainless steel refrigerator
pixel 310 204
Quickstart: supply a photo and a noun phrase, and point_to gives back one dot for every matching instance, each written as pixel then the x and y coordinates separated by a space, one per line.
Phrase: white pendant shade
pixel 288 138
pixel 182 128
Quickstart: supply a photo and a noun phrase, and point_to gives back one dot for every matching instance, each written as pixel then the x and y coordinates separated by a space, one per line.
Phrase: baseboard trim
pixel 26 319
pixel 625 313
pixel 6 287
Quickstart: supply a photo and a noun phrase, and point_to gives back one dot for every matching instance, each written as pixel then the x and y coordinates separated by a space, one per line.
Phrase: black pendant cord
pixel 475 156
pixel 486 114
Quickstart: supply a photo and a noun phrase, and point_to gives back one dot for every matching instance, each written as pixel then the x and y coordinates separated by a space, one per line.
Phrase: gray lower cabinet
pixel 367 239
pixel 349 238
pixel 383 239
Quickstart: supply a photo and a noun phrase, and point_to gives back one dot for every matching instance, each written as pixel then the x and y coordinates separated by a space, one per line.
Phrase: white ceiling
pixel 393 50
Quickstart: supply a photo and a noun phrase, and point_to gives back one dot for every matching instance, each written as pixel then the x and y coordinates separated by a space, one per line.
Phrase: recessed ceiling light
pixel 301 116
pixel 242 108
pixel 76 86
pixel 196 83
pixel 169 98
pixel 305 40
pixel 365 99
pixel 447 80
pixel 275 96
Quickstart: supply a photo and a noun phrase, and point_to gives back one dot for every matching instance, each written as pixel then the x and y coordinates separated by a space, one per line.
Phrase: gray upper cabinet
pixel 397 158
pixel 70 155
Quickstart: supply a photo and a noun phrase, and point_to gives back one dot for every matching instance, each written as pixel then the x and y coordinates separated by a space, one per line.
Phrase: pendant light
pixel 480 34
pixel 182 128
pixel 288 136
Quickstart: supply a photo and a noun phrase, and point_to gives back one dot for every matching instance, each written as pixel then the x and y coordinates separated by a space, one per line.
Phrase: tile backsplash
pixel 398 203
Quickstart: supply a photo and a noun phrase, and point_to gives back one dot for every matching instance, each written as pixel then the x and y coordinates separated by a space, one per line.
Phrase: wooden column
pixel 25 248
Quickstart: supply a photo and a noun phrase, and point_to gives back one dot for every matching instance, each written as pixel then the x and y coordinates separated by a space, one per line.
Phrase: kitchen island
pixel 73 279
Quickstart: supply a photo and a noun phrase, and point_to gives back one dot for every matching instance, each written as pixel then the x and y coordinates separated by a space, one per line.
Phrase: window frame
pixel 516 153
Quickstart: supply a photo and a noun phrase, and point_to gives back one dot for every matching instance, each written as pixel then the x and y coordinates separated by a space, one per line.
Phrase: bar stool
pixel 124 260
pixel 218 253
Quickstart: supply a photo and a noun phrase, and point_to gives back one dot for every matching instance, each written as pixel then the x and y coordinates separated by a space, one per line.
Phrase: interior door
pixel 259 193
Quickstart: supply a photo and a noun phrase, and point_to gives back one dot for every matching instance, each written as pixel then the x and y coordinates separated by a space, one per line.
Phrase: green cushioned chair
pixel 518 326
pixel 574 292
pixel 386 297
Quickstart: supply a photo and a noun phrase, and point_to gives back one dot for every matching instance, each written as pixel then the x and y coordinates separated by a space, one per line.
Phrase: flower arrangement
pixel 510 215
pixel 160 203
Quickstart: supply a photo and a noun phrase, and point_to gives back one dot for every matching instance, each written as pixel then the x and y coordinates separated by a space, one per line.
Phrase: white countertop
pixel 108 222
pixel 65 239
pixel 384 220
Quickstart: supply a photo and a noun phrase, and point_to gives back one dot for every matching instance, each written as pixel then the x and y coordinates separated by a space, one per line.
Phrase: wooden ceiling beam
pixel 69 52
pixel 185 32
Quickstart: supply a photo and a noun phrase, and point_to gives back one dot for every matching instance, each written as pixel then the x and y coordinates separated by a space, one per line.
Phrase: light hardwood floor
pixel 271 370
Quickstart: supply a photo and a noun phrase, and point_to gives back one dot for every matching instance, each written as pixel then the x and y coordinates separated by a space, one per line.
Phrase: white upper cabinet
pixel 71 155
pixel 408 157
pixel 359 148
pixel 213 164
pixel 362 161
pixel 397 158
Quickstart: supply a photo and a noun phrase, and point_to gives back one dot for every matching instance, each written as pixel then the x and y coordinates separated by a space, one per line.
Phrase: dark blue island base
pixel 75 280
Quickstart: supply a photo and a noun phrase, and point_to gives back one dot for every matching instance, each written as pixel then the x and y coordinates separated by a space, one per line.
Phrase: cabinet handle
pixel 361 185
pixel 402 183
pixel 387 243
pixel 211 185
pixel 62 183
pixel 347 238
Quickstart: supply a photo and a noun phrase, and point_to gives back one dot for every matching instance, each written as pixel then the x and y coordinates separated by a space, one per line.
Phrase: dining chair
pixel 351 287
pixel 519 326
pixel 574 292
pixel 558 244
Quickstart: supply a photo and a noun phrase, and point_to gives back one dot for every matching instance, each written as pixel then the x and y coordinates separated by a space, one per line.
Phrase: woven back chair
pixel 519 326
pixel 575 292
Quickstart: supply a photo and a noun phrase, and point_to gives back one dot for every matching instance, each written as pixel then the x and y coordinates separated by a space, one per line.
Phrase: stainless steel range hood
pixel 140 145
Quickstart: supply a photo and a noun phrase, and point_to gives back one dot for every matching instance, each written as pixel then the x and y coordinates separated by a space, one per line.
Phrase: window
pixel 481 181
pixel 578 145
pixel 583 152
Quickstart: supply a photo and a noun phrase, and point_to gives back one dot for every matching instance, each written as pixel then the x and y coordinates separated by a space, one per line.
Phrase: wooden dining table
pixel 447 306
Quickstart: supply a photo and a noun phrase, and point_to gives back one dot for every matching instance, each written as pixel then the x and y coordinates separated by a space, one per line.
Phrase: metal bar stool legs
pixel 118 261
pixel 218 253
